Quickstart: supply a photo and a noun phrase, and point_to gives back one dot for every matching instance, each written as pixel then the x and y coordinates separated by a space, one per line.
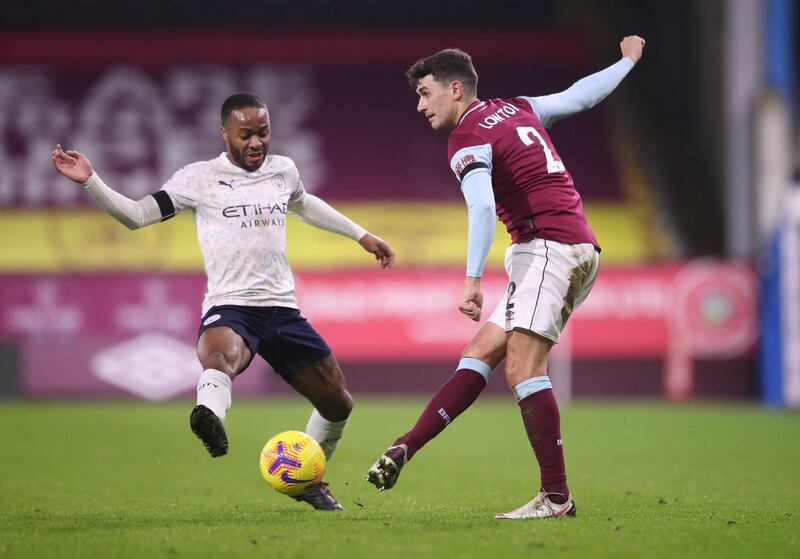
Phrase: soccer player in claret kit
pixel 240 201
pixel 501 154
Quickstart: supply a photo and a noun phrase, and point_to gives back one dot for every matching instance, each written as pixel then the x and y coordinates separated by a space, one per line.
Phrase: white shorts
pixel 547 280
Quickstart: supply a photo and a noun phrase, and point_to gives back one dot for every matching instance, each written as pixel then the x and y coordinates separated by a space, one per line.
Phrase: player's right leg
pixel 486 350
pixel 223 354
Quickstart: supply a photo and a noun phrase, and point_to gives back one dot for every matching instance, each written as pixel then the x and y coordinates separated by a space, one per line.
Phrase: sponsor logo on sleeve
pixel 463 163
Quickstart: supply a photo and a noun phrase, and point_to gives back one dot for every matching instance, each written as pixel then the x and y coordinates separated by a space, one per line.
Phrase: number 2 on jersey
pixel 553 164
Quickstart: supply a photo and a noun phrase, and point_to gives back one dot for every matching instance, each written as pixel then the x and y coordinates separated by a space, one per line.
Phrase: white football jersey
pixel 241 227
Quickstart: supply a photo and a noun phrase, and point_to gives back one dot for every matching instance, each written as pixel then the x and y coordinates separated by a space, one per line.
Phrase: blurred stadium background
pixel 687 173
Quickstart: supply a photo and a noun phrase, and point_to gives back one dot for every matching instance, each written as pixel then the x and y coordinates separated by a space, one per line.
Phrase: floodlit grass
pixel 650 480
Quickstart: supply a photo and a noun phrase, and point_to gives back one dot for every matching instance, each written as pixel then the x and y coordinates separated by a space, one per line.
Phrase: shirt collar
pixel 476 104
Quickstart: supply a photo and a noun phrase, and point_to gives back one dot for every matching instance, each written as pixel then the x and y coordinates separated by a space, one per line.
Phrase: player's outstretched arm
pixel 132 214
pixel 318 213
pixel 589 91
pixel 378 247
pixel 632 47
pixel 72 164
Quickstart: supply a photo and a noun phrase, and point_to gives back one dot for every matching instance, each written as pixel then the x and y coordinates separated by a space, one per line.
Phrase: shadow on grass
pixel 39 521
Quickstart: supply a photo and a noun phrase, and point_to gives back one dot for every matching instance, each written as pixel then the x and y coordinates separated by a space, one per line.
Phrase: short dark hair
pixel 445 66
pixel 240 101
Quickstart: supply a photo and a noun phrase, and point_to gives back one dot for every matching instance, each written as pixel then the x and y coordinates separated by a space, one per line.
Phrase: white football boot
pixel 541 507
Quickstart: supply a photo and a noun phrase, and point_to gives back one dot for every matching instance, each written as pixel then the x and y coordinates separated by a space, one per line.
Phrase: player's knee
pixel 468 351
pixel 513 378
pixel 339 408
pixel 515 372
pixel 491 353
pixel 345 406
pixel 221 361
pixel 473 351
pixel 520 370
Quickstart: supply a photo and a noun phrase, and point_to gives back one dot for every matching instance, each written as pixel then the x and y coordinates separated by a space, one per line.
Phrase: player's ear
pixel 224 133
pixel 457 89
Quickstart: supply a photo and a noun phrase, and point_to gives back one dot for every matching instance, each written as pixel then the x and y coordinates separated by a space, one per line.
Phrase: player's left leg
pixel 299 354
pixel 302 357
pixel 548 280
pixel 323 384
pixel 526 374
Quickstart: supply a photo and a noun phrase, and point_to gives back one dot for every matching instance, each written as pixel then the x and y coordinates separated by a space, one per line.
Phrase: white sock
pixel 326 433
pixel 214 392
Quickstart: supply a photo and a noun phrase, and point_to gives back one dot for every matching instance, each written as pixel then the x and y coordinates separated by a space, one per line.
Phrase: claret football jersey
pixel 241 227
pixel 535 196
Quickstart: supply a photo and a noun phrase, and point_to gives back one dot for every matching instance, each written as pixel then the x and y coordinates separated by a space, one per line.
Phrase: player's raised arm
pixel 318 213
pixel 589 91
pixel 632 47
pixel 72 164
pixel 131 213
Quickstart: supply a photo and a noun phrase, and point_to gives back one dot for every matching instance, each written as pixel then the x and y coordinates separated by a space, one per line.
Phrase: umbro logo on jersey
pixel 228 184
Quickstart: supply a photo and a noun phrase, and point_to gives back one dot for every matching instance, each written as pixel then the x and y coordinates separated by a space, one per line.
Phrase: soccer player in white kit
pixel 240 201
pixel 508 168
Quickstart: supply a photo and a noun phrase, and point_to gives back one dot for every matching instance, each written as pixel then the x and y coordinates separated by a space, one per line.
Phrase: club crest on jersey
pixel 463 163
pixel 279 183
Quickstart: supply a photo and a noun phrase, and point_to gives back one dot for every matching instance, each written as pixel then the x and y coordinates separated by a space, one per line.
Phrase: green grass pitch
pixel 650 480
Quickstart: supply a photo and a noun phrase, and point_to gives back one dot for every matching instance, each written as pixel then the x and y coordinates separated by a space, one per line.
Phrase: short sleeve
pixel 182 191
pixel 297 191
pixel 293 182
pixel 471 158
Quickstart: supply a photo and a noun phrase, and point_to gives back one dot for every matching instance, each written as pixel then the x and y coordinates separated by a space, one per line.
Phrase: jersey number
pixel 553 164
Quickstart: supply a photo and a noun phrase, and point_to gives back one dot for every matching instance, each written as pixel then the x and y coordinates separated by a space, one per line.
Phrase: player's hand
pixel 380 248
pixel 632 47
pixel 72 164
pixel 472 299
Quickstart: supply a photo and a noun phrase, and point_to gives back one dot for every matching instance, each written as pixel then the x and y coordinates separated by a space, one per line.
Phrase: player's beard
pixel 241 158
